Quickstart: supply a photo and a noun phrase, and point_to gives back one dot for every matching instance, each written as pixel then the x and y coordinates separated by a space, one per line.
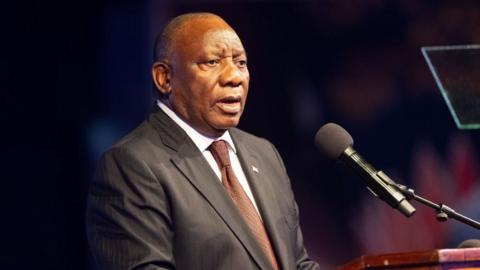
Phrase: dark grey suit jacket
pixel 155 203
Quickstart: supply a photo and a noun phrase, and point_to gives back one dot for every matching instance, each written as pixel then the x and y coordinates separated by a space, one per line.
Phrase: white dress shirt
pixel 203 142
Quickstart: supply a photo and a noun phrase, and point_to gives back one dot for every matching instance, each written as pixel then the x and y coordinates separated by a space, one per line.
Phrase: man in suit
pixel 186 189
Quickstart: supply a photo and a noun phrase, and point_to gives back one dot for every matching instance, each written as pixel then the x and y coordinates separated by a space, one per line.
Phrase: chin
pixel 227 123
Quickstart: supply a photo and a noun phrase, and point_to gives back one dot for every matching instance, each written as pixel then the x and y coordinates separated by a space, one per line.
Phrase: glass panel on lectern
pixel 456 70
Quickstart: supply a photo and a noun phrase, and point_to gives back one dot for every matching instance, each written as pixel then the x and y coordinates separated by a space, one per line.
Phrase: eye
pixel 242 63
pixel 212 63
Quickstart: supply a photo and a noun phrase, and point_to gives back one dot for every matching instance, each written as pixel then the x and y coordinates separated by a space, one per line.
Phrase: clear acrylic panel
pixel 456 70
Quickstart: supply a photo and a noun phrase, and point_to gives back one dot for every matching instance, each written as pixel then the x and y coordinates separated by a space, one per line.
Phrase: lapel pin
pixel 254 169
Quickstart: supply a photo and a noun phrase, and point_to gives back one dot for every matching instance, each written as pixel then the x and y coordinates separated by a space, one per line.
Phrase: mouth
pixel 230 104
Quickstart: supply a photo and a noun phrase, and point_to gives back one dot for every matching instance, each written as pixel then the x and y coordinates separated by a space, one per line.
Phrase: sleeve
pixel 128 215
pixel 303 261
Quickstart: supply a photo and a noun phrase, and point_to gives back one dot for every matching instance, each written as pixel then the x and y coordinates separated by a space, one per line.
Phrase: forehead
pixel 221 41
pixel 205 36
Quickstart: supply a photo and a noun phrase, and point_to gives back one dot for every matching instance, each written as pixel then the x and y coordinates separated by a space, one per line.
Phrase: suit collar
pixel 170 133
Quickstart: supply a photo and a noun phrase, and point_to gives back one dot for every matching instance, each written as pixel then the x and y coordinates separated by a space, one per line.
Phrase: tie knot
pixel 219 150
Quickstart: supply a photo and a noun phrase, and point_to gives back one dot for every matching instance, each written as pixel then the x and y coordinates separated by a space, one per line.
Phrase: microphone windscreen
pixel 470 243
pixel 332 140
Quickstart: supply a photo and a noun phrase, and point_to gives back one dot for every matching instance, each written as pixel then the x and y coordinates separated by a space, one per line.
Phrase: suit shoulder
pixel 250 138
pixel 137 142
pixel 259 143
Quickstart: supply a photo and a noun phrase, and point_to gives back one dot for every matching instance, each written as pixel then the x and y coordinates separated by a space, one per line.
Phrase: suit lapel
pixel 261 184
pixel 191 163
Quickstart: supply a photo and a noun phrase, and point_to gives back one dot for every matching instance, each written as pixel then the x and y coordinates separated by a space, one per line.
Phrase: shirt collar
pixel 201 141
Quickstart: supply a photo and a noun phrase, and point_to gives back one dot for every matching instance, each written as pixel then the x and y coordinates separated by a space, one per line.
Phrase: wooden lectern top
pixel 458 259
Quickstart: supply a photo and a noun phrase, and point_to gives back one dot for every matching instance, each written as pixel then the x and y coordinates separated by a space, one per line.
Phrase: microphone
pixel 336 143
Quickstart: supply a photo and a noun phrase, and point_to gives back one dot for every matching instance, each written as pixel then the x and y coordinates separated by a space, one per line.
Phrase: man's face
pixel 209 80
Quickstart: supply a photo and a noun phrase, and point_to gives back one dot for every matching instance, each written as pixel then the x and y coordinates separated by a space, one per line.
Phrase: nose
pixel 231 75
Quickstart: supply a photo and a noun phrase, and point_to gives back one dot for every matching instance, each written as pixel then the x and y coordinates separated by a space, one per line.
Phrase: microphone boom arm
pixel 443 211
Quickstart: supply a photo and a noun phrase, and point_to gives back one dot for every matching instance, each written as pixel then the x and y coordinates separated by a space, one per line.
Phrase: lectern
pixel 452 259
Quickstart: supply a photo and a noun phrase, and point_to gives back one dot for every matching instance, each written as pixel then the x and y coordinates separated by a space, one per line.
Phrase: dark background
pixel 75 77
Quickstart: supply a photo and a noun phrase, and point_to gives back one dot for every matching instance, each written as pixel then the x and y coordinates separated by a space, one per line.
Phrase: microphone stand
pixel 443 211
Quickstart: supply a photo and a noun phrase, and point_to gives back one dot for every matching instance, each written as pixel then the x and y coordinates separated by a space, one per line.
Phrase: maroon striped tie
pixel 219 151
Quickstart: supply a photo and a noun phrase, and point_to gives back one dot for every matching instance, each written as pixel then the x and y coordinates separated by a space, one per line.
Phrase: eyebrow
pixel 236 53
pixel 240 53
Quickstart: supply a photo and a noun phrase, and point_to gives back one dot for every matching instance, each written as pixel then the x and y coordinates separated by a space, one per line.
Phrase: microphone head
pixel 332 140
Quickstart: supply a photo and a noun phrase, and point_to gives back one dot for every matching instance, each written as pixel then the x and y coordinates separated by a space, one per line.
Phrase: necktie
pixel 230 182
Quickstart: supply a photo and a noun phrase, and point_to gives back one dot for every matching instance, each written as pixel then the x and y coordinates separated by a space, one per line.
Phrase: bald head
pixel 180 28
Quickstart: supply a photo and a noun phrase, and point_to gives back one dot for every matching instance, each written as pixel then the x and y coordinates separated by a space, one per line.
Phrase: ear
pixel 161 74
